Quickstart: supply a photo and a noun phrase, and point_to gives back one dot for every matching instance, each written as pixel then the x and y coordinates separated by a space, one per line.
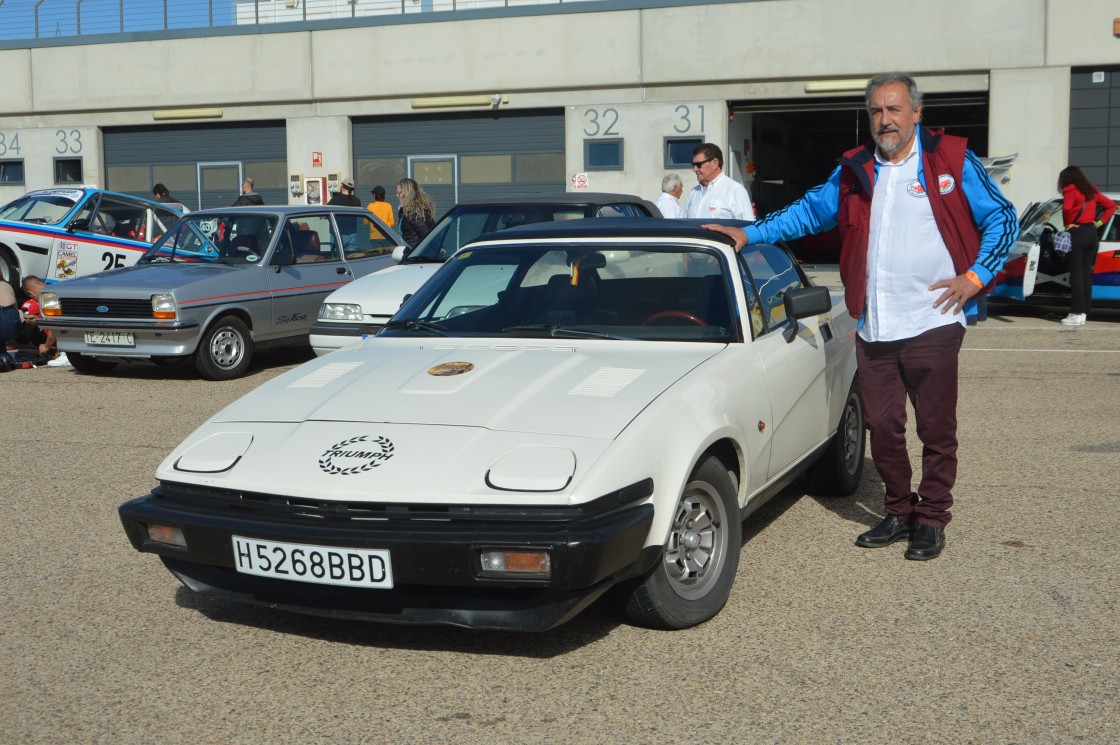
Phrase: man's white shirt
pixel 905 255
pixel 722 198
pixel 668 205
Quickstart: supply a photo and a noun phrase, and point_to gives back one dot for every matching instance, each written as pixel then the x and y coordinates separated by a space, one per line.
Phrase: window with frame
pixel 68 170
pixel 603 154
pixel 11 171
pixel 678 151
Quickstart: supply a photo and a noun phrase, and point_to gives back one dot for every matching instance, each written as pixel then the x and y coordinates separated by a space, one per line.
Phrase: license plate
pixel 110 339
pixel 324 565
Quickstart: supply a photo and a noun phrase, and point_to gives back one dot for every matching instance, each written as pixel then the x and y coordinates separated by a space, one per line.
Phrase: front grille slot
pixel 87 307
pixel 215 500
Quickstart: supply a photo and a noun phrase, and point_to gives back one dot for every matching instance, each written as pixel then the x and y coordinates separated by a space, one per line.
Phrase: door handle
pixel 341 270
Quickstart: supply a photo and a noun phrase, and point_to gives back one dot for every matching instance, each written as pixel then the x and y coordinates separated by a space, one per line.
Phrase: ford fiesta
pixel 560 410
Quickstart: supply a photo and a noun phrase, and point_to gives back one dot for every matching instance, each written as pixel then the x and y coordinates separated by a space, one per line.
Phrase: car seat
pixel 306 246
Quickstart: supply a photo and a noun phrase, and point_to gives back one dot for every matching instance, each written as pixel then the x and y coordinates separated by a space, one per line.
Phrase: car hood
pixel 144 278
pixel 579 388
pixel 381 293
pixel 435 421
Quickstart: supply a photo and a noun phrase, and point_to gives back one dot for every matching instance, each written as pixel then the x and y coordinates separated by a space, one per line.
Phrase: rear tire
pixel 225 350
pixel 692 580
pixel 87 365
pixel 837 473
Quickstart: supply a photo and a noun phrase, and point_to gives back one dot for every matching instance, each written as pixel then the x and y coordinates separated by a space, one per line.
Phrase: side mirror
pixel 399 253
pixel 282 259
pixel 805 302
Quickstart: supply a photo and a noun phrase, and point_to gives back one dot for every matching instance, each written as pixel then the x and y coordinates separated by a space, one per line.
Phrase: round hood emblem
pixel 451 368
pixel 103 309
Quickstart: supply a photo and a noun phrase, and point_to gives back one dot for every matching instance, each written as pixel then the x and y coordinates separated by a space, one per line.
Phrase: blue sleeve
pixel 814 213
pixel 994 216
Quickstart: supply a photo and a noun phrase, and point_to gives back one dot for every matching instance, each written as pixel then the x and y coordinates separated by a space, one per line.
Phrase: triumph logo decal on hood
pixel 348 457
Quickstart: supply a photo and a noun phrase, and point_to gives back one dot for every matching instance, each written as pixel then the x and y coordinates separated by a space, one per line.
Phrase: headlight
pixel 49 304
pixel 163 306
pixel 340 312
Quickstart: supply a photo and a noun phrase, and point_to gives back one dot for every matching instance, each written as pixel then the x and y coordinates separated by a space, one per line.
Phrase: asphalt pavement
pixel 1009 637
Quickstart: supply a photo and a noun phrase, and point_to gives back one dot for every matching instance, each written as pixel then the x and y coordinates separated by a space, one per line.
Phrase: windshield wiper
pixel 566 332
pixel 434 328
pixel 157 259
pixel 423 260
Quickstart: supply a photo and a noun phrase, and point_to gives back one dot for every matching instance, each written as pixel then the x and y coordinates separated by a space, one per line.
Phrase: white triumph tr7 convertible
pixel 561 409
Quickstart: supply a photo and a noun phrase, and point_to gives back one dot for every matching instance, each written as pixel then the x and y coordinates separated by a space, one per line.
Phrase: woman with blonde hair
pixel 417 214
pixel 1080 204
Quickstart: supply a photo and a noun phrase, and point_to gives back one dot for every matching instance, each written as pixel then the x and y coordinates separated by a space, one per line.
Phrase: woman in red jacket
pixel 1081 203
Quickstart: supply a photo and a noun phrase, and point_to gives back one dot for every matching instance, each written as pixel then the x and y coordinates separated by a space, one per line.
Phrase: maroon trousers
pixel 923 369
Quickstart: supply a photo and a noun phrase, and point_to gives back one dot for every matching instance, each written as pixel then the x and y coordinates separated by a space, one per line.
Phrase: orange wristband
pixel 974 279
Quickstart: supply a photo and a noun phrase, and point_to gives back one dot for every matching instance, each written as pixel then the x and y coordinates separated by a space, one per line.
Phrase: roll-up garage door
pixel 202 165
pixel 462 155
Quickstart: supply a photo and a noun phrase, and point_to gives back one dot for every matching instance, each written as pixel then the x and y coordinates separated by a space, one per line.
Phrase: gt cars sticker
pixel 66 260
pixel 349 457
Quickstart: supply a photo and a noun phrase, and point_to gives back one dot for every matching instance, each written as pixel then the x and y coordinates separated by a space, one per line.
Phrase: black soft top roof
pixel 555 197
pixel 614 227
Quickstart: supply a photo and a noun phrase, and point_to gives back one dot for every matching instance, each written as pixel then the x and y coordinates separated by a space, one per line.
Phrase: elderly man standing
pixel 923 230
pixel 669 202
pixel 716 195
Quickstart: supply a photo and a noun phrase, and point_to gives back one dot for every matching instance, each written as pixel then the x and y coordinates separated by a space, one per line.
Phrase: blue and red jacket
pixel 975 220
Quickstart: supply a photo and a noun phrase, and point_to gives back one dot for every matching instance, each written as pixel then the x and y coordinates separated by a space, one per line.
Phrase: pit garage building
pixel 483 97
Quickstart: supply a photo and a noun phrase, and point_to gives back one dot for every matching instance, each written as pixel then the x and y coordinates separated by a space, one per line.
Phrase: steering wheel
pixel 683 315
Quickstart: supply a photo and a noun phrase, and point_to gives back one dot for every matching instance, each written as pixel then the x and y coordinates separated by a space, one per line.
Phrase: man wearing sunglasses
pixel 716 196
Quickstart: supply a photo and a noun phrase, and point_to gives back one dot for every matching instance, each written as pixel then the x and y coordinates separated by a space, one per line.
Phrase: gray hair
pixel 248 182
pixel 884 78
pixel 671 182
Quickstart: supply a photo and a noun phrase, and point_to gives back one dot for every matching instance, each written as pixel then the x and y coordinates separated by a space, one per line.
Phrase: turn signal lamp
pixel 49 304
pixel 517 562
pixel 163 306
pixel 167 534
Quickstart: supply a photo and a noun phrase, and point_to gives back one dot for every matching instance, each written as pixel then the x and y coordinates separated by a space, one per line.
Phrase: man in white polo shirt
pixel 716 196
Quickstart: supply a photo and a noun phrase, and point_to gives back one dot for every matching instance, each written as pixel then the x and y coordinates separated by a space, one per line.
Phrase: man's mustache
pixel 888 128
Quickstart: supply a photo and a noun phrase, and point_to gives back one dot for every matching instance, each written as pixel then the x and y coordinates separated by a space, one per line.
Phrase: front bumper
pixel 152 339
pixel 434 551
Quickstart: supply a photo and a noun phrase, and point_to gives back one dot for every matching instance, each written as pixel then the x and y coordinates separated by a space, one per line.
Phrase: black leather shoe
pixel 885 533
pixel 926 543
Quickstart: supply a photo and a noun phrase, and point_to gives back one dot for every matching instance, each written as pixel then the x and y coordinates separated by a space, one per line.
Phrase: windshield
pixel 1036 220
pixel 612 291
pixel 463 224
pixel 226 239
pixel 43 208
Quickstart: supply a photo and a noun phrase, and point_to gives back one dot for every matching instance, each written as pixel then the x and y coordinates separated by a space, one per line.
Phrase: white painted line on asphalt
pixel 1062 351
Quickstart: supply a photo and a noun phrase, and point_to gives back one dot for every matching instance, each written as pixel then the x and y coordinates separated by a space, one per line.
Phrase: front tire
pixel 838 471
pixel 9 272
pixel 693 579
pixel 87 365
pixel 225 350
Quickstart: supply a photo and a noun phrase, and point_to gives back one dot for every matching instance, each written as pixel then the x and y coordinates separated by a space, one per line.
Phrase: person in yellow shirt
pixel 381 209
